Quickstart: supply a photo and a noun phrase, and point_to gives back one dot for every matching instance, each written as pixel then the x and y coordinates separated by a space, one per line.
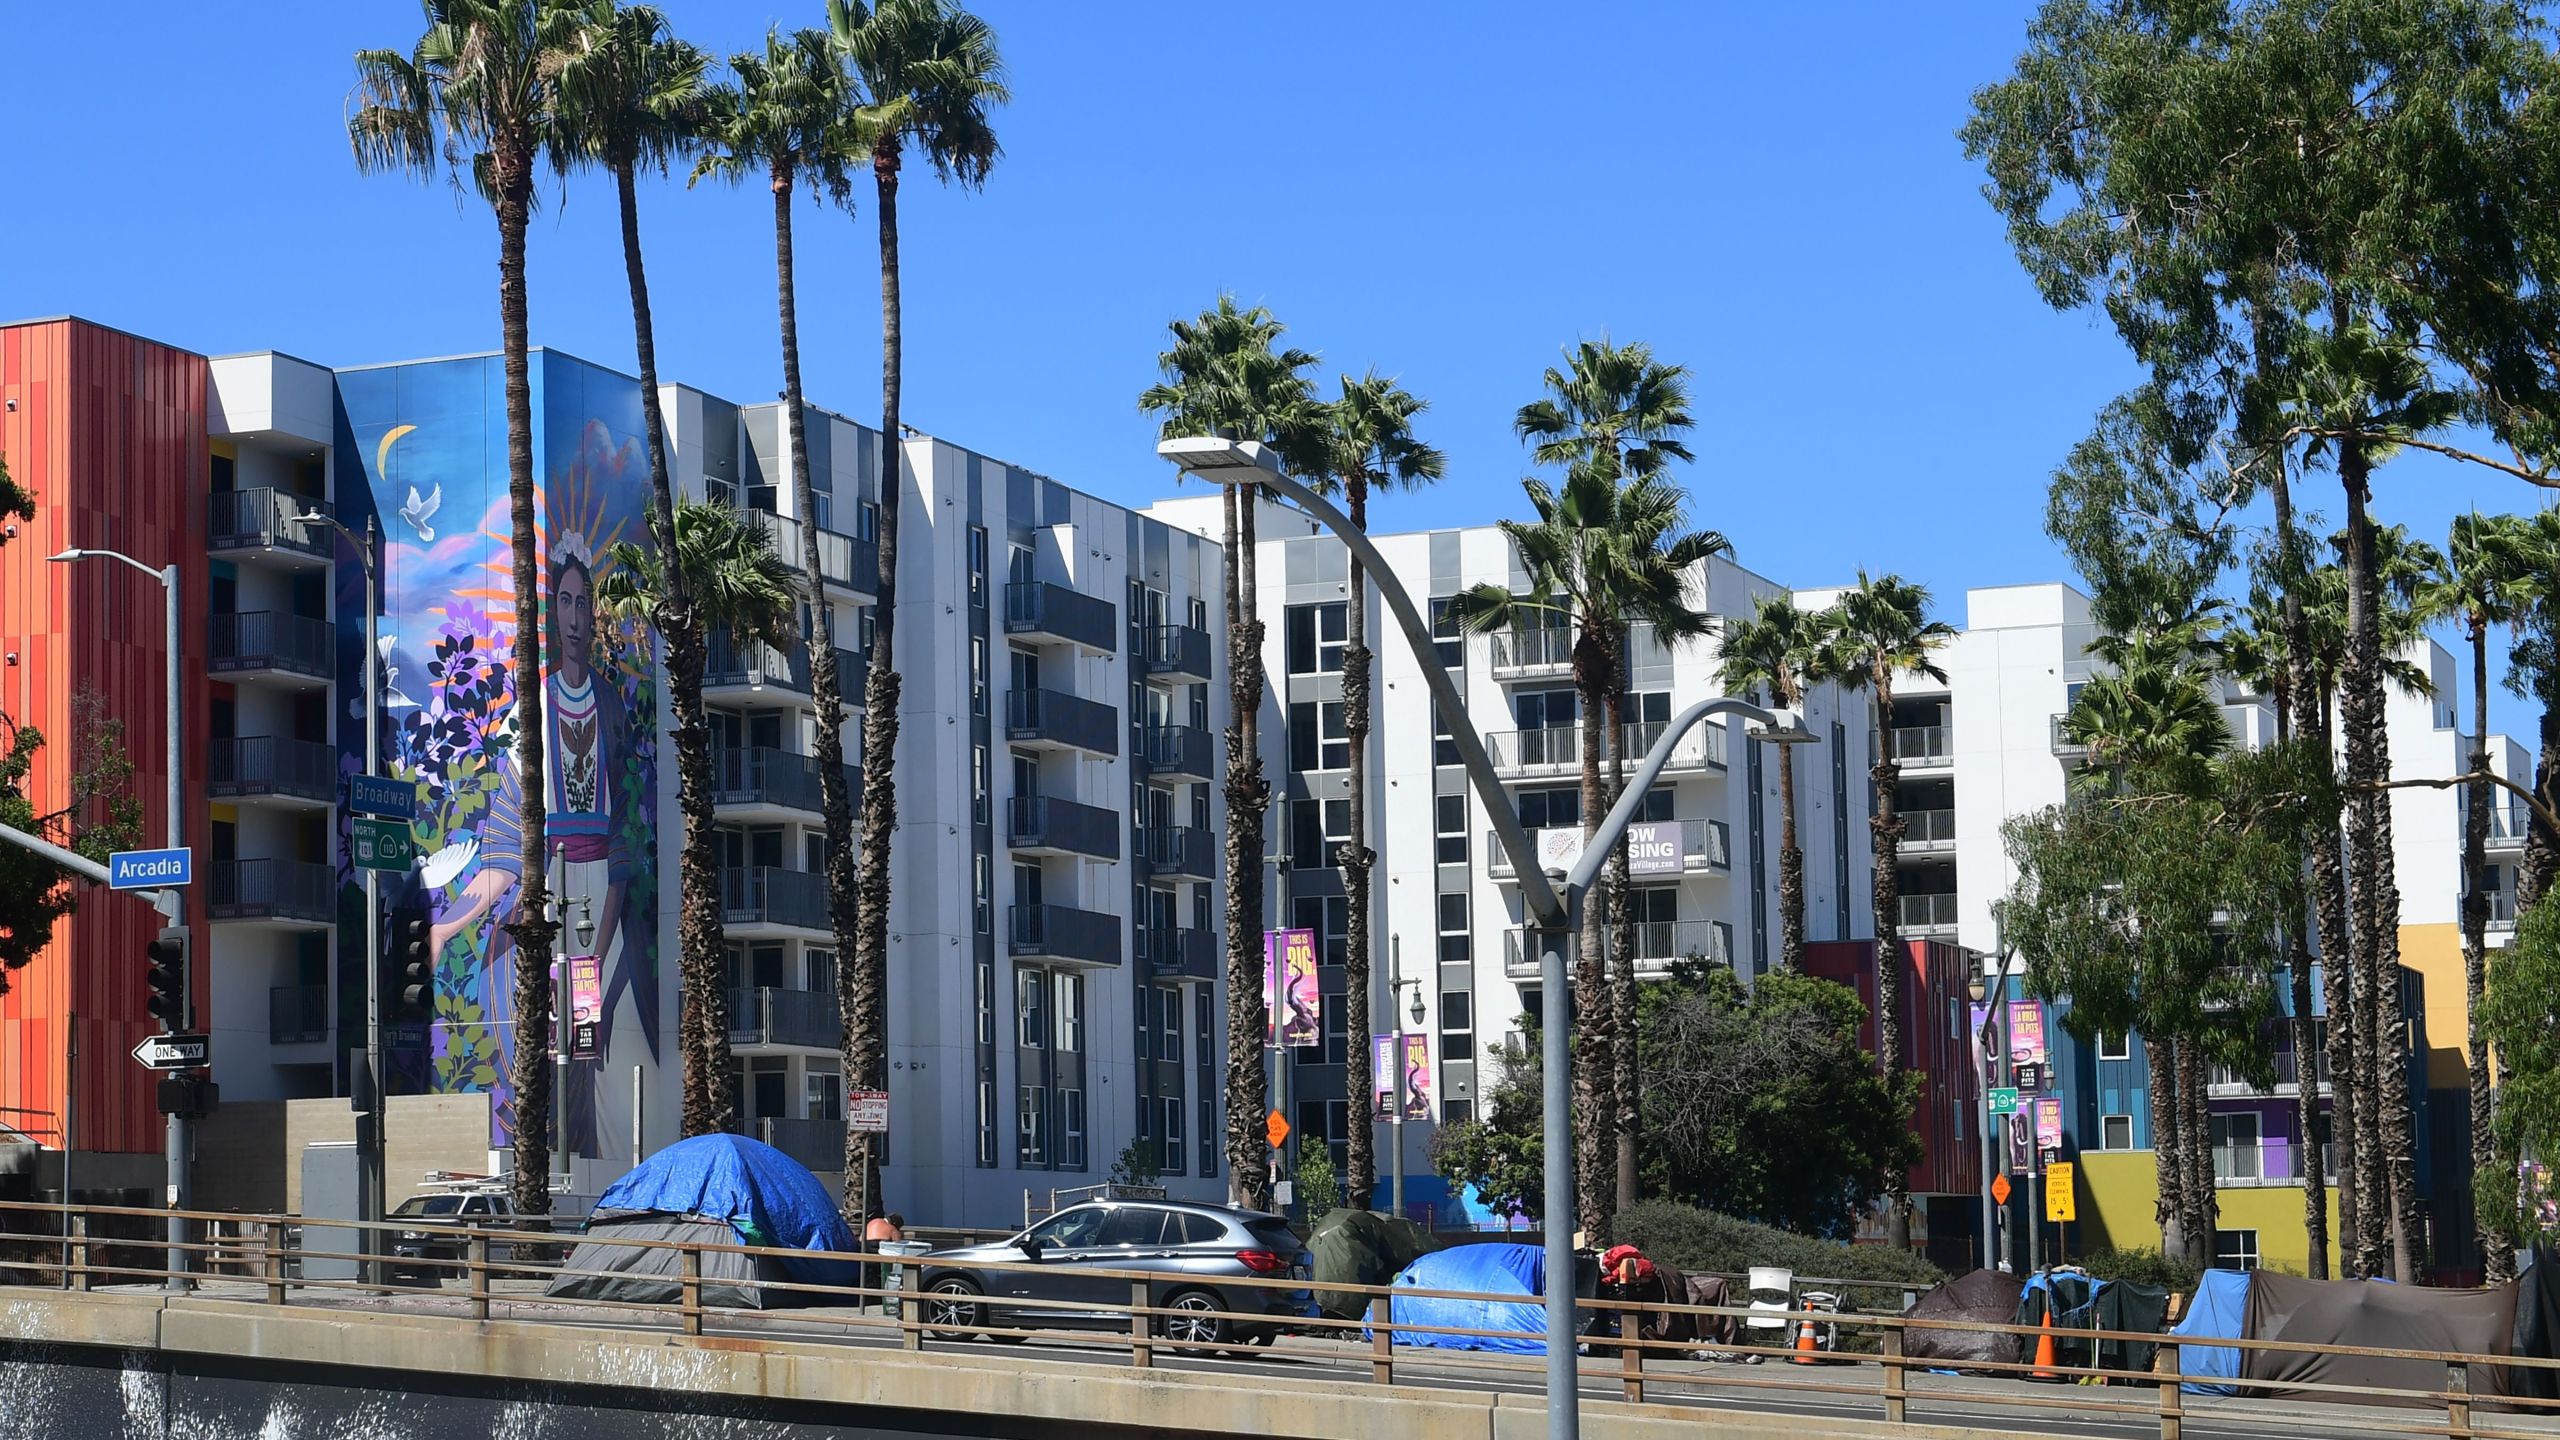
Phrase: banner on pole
pixel 2026 1032
pixel 586 1007
pixel 1382 1075
pixel 1417 1077
pixel 2048 1122
pixel 1289 988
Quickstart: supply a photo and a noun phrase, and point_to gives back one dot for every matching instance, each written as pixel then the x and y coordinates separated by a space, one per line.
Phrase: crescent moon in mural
pixel 382 452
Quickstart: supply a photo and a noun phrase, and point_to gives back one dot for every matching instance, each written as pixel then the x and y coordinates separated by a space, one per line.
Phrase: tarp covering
pixel 2067 1296
pixel 1982 1297
pixel 2219 1310
pixel 1521 1326
pixel 767 1197
pixel 2134 1308
pixel 2355 1312
pixel 2537 1327
pixel 1362 1247
pixel 647 1275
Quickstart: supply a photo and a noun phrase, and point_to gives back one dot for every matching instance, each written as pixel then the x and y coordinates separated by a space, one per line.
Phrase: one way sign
pixel 174 1052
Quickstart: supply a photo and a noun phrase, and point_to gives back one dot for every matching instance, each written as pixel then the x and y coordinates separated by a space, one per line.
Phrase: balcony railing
pixel 817 1144
pixel 1181 953
pixel 1926 829
pixel 1543 649
pixel 842 559
pixel 771 895
pixel 730 665
pixel 1703 747
pixel 297 1014
pixel 1175 652
pixel 1179 752
pixel 262 519
pixel 1557 749
pixel 1056 718
pixel 766 1015
pixel 1922 745
pixel 1060 932
pixel 1660 944
pixel 2510 822
pixel 2502 909
pixel 273 890
pixel 1044 610
pixel 1063 827
pixel 760 775
pixel 269 640
pixel 2287 1072
pixel 1179 852
pixel 250 765
pixel 1923 912
pixel 2064 747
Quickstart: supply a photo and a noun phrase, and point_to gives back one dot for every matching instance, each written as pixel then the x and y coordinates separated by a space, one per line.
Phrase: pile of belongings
pixel 2068 1298
pixel 1982 1297
pixel 1626 1275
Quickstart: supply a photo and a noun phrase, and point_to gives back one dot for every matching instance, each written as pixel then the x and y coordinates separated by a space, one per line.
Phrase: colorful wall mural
pixel 425 446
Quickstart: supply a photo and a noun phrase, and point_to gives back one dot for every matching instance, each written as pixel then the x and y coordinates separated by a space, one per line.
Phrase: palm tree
pixel 786 121
pixel 1769 654
pixel 1227 374
pixel 1602 555
pixel 2477 588
pixel 2152 714
pixel 473 94
pixel 631 97
pixel 1878 629
pixel 1368 444
pixel 928 72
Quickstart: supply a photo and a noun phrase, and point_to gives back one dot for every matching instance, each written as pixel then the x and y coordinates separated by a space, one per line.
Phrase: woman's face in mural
pixel 573 614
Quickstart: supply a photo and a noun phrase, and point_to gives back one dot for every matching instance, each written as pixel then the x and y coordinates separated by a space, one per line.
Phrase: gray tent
pixel 2367 1312
pixel 1982 1297
pixel 648 1275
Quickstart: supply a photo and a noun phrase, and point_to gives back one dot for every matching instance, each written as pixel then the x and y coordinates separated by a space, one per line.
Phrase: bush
pixel 1698 1240
pixel 2142 1267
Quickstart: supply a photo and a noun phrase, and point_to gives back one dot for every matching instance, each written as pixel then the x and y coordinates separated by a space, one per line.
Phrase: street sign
pixel 384 795
pixel 2029 1074
pixel 1276 1128
pixel 150 869
pixel 383 844
pixel 2058 1204
pixel 2004 1100
pixel 869 1110
pixel 174 1052
pixel 1999 1189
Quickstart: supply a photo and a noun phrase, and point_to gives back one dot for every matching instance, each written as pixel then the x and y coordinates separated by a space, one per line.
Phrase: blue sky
pixel 1770 195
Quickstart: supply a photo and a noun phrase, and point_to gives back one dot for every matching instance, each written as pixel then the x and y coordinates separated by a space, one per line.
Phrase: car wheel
pixel 952 1310
pixel 1192 1321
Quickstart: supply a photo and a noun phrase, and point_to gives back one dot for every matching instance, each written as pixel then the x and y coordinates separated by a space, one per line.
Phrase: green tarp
pixel 1362 1247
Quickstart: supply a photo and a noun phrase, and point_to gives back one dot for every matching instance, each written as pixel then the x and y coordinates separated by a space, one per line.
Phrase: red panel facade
pixel 1934 977
pixel 108 431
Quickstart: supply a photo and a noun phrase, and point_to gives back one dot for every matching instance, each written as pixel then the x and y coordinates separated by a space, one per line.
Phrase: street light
pixel 172 898
pixel 1554 896
pixel 1396 985
pixel 1996 989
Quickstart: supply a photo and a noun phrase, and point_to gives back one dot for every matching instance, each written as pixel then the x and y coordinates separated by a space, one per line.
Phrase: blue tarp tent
pixel 712 1189
pixel 1483 1269
pixel 2219 1310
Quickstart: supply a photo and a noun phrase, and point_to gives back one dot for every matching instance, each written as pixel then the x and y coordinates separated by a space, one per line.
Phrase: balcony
pixel 1179 852
pixel 2510 824
pixel 1046 825
pixel 2066 749
pixel 1927 832
pixel 297 1014
pixel 266 644
pixel 2502 910
pixel 1703 748
pixel 770 896
pixel 762 783
pixel 291 892
pixel 2223 1082
pixel 1660 944
pixel 754 673
pixel 1927 913
pixel 1921 747
pixel 769 1016
pixel 817 1144
pixel 1556 750
pixel 1044 611
pixel 1179 752
pixel 258 524
pixel 1178 653
pixel 265 767
pixel 1056 720
pixel 1541 653
pixel 1182 953
pixel 842 559
pixel 1059 932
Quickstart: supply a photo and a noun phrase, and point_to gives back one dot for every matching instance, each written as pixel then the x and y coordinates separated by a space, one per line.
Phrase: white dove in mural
pixel 421 509
pixel 392 699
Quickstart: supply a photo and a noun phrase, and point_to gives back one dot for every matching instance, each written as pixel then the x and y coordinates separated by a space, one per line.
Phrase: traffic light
pixel 167 977
pixel 409 930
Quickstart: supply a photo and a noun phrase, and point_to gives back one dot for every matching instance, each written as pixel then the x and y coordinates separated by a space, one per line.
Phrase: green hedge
pixel 2141 1266
pixel 1702 1241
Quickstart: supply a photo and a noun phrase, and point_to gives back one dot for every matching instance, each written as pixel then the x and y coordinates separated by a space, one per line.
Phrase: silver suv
pixel 1193 1248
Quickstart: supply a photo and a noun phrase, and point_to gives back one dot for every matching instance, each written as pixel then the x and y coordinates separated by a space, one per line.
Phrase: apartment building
pixel 1053 982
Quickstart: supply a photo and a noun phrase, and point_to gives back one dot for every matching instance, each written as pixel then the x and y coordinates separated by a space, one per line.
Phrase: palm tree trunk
pixel 530 927
pixel 702 1020
pixel 1360 1174
pixel 2195 1134
pixel 866 1039
pixel 1886 830
pixel 2497 1253
pixel 1594 1025
pixel 2541 846
pixel 1248 1013
pixel 1790 867
pixel 2168 1162
pixel 2337 946
pixel 2373 890
pixel 2293 688
pixel 1622 948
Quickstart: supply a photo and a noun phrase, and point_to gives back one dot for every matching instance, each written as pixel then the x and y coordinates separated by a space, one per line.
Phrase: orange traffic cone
pixel 1805 1347
pixel 2044 1346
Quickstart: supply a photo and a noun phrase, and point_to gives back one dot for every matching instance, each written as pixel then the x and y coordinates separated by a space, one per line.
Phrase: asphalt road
pixel 2002 1406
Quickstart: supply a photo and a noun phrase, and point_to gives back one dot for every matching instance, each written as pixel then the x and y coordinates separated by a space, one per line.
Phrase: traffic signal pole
pixel 371 1183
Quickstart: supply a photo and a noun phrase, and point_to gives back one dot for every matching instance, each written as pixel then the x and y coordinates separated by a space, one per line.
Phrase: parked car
pixel 415 1253
pixel 1197 1249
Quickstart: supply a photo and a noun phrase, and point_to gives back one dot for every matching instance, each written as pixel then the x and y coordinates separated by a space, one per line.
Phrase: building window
pixel 1457 1026
pixel 1317 831
pixel 1070 1014
pixel 986 905
pixel 1169 1027
pixel 1070 1129
pixel 2115 1045
pixel 1447 641
pixel 1030 1002
pixel 1330 918
pixel 1450 839
pixel 1204 1031
pixel 2115 1132
pixel 2235 1249
pixel 978 565
pixel 2235 1147
pixel 1556 807
pixel 986 1124
pixel 818 967
pixel 986 989
pixel 1444 740
pixel 977 675
pixel 1033 1119
pixel 1457 1112
pixel 1316 638
pixel 978 784
pixel 1456 945
pixel 1327 1118
pixel 1169 1151
pixel 1317 738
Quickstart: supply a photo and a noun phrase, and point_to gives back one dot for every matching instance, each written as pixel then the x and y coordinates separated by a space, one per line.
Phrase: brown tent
pixel 2371 1313
pixel 1983 1297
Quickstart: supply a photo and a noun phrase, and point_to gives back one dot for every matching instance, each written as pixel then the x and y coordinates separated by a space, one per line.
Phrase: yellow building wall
pixel 2435 952
pixel 2120 1198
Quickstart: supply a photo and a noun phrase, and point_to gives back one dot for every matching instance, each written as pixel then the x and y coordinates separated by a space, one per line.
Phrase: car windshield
pixel 1066 1232
pixel 430 1205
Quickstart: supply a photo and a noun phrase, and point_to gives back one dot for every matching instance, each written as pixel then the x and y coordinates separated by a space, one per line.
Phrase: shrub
pixel 1698 1240
pixel 2143 1267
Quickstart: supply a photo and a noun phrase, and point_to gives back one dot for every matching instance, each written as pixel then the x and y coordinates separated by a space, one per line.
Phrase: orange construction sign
pixel 2000 1190
pixel 1277 1127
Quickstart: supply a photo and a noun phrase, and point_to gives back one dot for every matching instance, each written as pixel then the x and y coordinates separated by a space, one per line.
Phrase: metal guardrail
pixel 297 1014
pixel 1918 910
pixel 1869 1361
